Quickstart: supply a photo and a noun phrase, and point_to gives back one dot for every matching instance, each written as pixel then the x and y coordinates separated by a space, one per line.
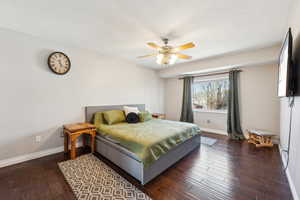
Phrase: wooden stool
pixel 73 131
pixel 260 138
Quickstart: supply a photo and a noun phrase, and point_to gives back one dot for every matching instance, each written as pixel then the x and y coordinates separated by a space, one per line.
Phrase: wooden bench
pixel 260 138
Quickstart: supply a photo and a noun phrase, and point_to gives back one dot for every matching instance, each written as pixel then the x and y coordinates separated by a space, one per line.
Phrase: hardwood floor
pixel 227 170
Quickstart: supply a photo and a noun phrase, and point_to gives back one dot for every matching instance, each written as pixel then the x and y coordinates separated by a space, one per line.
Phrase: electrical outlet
pixel 38 138
pixel 208 121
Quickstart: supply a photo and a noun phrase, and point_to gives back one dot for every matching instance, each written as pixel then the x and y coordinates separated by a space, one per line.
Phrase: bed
pixel 145 157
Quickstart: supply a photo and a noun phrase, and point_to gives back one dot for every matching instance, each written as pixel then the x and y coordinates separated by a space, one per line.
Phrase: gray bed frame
pixel 127 160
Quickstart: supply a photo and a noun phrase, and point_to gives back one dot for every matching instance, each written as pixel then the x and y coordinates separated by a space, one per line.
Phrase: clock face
pixel 59 63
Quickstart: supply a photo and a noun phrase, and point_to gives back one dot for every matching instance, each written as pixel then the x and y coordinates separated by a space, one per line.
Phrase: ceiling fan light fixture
pixel 166 59
pixel 173 59
pixel 159 58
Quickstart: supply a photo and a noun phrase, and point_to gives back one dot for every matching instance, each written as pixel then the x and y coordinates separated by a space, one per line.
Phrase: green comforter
pixel 151 139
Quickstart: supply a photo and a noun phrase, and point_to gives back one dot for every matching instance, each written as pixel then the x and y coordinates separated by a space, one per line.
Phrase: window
pixel 210 95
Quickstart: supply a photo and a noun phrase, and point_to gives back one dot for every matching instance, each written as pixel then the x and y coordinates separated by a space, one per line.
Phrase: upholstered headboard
pixel 90 110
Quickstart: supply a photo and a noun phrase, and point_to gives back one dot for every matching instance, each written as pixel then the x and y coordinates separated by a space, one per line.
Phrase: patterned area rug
pixel 92 179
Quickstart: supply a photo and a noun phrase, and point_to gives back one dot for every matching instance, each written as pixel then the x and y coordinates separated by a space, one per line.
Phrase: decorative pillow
pixel 114 116
pixel 98 119
pixel 128 109
pixel 145 116
pixel 132 118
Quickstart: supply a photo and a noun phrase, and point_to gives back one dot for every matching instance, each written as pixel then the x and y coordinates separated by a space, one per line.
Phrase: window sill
pixel 210 111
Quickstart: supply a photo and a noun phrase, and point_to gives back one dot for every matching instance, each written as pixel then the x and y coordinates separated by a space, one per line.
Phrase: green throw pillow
pixel 145 116
pixel 99 119
pixel 114 116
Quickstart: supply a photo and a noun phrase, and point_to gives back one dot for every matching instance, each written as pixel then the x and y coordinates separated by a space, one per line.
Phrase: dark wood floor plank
pixel 227 170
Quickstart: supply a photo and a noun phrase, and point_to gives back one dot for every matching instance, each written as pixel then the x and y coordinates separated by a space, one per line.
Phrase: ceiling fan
pixel 167 55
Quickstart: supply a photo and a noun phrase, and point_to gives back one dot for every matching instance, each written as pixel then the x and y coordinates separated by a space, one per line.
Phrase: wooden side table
pixel 159 115
pixel 73 131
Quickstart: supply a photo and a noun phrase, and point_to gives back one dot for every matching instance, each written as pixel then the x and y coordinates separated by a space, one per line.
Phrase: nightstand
pixel 73 131
pixel 159 115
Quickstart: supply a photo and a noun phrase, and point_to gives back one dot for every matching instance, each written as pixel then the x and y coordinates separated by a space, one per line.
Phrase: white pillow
pixel 128 109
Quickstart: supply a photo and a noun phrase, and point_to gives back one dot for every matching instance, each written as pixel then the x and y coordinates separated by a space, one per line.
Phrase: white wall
pixel 244 58
pixel 259 104
pixel 35 101
pixel 294 165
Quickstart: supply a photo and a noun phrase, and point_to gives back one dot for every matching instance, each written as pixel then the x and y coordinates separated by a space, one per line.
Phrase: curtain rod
pixel 210 74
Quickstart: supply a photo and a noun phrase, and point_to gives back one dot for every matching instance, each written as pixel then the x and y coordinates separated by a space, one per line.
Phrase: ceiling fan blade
pixel 183 56
pixel 146 56
pixel 185 46
pixel 153 45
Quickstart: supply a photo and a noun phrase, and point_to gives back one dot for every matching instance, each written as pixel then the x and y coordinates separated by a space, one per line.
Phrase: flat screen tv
pixel 285 76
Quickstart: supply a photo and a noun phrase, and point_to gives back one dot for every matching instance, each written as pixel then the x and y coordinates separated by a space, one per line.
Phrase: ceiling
pixel 122 27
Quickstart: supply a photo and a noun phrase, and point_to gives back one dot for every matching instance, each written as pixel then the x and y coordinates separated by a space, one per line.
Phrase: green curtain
pixel 187 110
pixel 233 115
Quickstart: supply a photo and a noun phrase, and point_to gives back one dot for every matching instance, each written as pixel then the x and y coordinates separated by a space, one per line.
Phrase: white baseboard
pixel 291 183
pixel 31 156
pixel 210 130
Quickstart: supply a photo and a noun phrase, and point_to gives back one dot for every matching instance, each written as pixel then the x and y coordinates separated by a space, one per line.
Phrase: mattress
pixel 148 141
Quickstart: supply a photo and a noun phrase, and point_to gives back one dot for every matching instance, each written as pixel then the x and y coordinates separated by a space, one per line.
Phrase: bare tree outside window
pixel 210 94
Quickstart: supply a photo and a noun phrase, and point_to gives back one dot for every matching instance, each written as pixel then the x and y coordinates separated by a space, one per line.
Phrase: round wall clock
pixel 59 63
